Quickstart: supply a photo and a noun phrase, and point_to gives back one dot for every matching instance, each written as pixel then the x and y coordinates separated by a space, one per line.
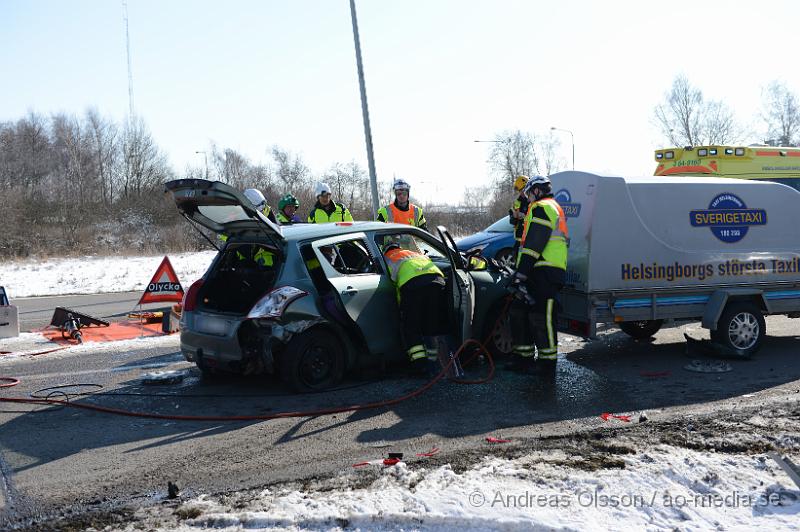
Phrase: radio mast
pixel 128 50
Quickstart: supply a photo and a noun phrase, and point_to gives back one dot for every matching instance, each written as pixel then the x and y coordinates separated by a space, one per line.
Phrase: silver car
pixel 310 301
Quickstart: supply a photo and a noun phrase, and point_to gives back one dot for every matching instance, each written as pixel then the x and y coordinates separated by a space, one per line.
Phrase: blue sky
pixel 439 73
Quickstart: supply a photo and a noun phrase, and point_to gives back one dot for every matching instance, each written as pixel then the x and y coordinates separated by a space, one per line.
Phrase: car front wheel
pixel 505 257
pixel 313 361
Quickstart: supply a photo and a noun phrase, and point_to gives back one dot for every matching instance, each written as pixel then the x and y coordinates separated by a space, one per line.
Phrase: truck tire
pixel 741 328
pixel 313 361
pixel 641 329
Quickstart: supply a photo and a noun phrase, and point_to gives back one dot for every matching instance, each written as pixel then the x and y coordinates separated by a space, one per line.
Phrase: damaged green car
pixel 310 302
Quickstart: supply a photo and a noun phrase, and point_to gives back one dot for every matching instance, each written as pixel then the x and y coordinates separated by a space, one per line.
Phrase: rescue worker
pixel 287 210
pixel 402 211
pixel 422 298
pixel 259 255
pixel 260 202
pixel 516 215
pixel 541 268
pixel 325 209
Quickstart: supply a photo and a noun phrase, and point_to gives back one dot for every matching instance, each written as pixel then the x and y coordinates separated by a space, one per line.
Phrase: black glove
pixel 511 219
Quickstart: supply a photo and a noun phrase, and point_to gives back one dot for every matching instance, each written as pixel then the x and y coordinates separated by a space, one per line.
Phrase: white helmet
pixel 401 184
pixel 322 188
pixel 256 198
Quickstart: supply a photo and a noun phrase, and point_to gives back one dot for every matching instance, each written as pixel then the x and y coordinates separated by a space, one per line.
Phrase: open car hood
pixel 220 208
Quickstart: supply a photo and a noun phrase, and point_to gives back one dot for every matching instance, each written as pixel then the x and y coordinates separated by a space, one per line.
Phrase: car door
pixel 220 208
pixel 367 295
pixel 460 288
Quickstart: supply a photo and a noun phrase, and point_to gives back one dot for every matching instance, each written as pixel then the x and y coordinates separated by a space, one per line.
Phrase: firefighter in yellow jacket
pixel 423 310
pixel 541 267
pixel 261 256
pixel 325 209
pixel 401 210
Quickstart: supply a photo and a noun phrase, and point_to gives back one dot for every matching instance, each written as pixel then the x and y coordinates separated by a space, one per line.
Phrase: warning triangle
pixel 164 286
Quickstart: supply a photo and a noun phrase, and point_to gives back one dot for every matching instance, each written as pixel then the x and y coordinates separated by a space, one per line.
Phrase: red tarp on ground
pixel 122 330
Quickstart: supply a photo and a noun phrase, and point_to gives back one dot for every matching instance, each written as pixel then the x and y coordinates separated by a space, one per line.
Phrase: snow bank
pixel 94 275
pixel 663 488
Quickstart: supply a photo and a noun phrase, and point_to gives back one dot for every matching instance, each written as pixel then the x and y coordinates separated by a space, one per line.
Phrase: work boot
pixel 546 373
pixel 521 364
pixel 425 368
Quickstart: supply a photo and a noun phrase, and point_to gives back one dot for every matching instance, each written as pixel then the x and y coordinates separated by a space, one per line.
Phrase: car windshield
pixel 500 226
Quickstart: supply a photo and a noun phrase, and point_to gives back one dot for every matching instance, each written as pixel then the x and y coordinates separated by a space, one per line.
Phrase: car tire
pixel 497 342
pixel 505 257
pixel 741 328
pixel 641 329
pixel 313 361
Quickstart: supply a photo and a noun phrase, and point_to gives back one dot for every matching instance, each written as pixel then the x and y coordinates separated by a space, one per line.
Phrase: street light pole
pixel 373 179
pixel 572 138
pixel 205 158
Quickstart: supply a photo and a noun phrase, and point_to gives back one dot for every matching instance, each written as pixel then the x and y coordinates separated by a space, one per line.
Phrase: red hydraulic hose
pixel 307 413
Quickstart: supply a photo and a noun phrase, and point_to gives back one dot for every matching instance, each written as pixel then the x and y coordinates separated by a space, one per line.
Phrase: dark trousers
pixel 423 309
pixel 544 284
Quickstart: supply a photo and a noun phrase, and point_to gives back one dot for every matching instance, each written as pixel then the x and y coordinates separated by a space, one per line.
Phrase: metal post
pixel 365 113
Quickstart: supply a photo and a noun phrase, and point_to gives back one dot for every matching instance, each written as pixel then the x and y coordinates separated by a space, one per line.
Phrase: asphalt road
pixel 58 460
pixel 36 312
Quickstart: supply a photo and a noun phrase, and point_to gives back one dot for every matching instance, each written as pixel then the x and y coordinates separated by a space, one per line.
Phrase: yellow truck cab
pixel 767 163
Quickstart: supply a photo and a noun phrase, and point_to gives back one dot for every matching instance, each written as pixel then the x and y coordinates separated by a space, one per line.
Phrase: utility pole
pixel 373 179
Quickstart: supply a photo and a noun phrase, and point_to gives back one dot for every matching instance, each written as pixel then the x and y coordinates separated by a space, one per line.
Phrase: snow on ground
pixel 94 275
pixel 663 488
pixel 28 345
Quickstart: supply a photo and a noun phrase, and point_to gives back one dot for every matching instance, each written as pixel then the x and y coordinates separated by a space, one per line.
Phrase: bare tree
pixel 719 124
pixel 513 154
pixel 686 119
pixel 103 138
pixel 290 169
pixel 143 166
pixel 679 114
pixel 548 147
pixel 781 112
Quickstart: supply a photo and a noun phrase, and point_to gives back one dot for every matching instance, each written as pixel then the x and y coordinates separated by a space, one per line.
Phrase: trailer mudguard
pixel 719 299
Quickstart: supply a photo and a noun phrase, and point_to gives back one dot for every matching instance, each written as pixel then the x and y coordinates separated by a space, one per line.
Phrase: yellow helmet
pixel 520 183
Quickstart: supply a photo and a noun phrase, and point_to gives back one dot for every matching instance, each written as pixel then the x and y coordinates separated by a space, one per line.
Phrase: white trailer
pixel 644 250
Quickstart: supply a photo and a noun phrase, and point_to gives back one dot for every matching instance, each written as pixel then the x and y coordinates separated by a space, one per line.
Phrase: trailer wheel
pixel 741 327
pixel 641 329
pixel 313 361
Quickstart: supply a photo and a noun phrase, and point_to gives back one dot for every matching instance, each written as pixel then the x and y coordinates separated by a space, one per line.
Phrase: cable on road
pixel 8 382
pixel 480 347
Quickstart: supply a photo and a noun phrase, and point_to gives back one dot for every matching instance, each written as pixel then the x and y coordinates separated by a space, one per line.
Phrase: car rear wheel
pixel 741 328
pixel 313 361
pixel 505 257
pixel 641 329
